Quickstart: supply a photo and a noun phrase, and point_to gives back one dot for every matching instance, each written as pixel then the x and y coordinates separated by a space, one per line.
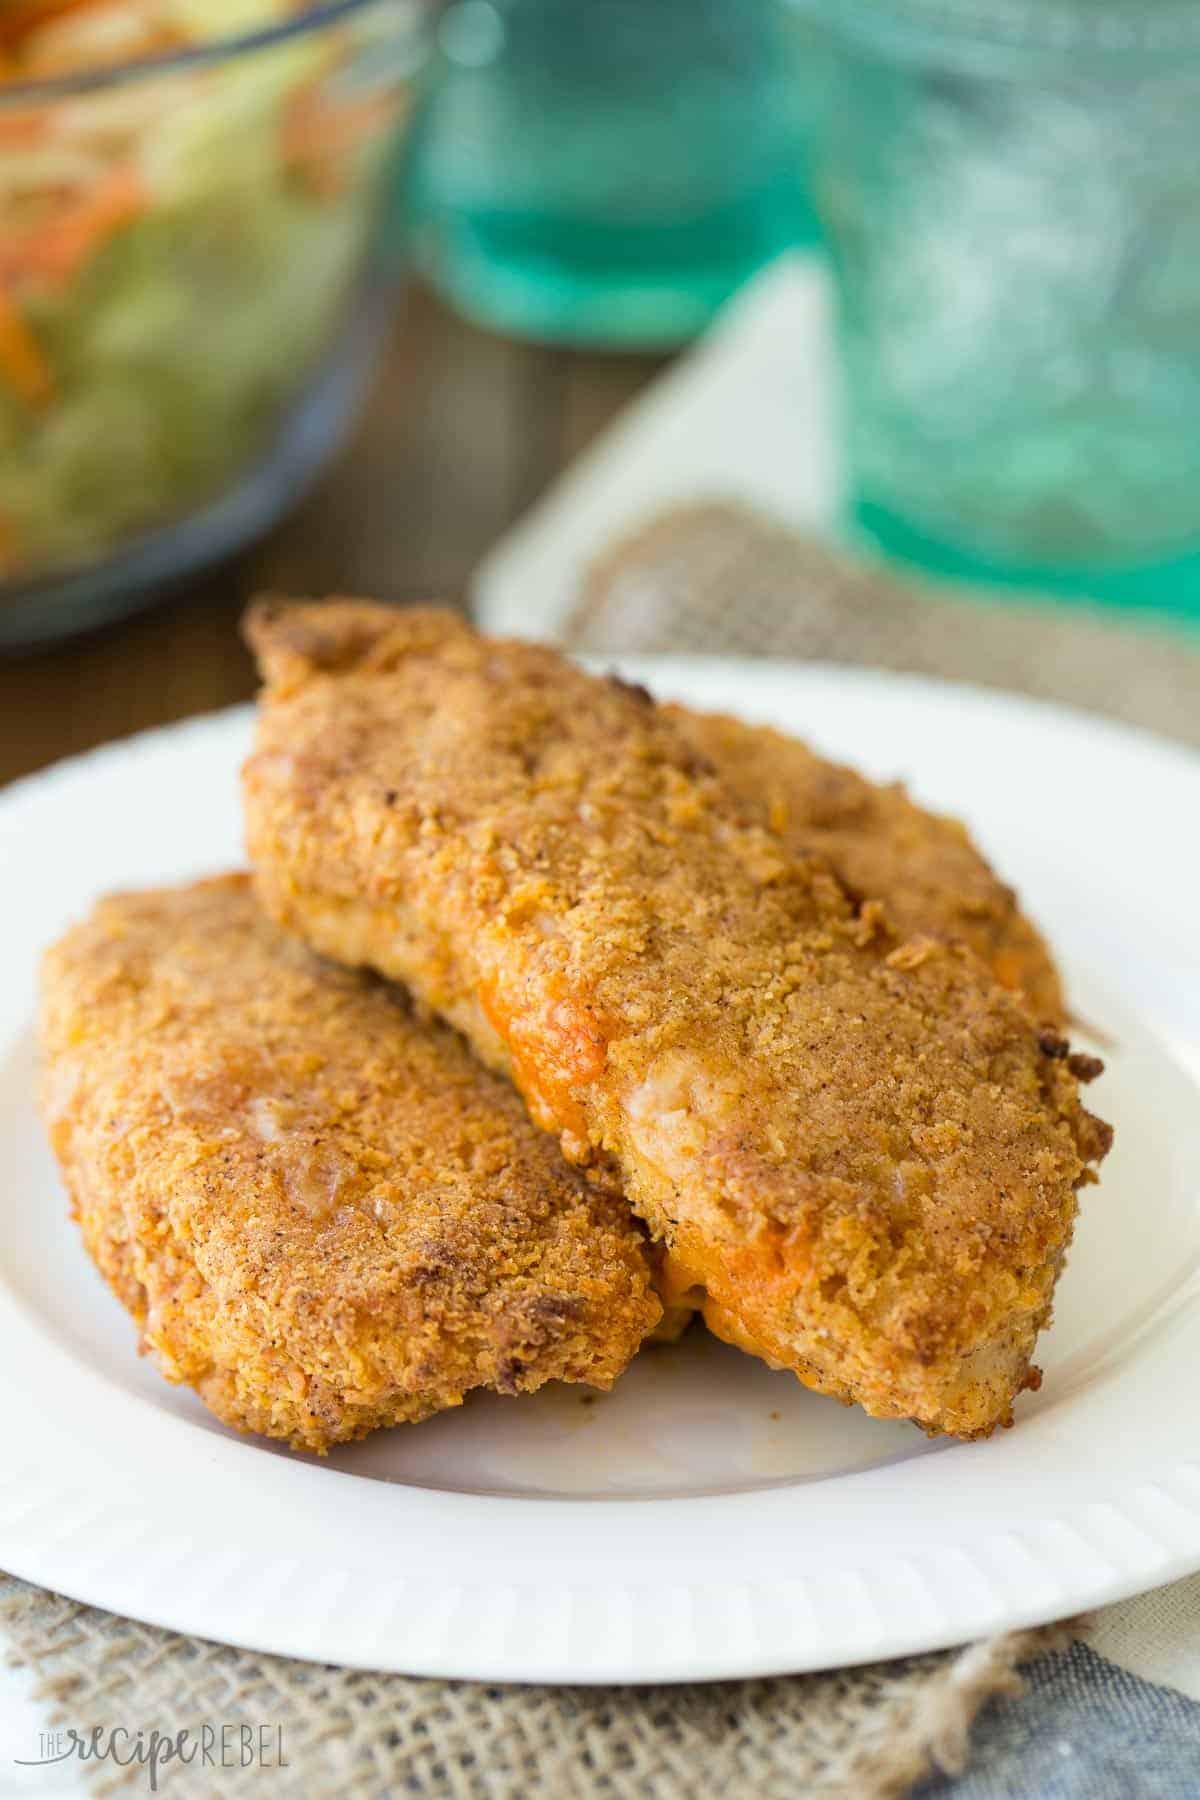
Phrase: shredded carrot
pixel 317 133
pixel 25 126
pixel 22 364
pixel 18 21
pixel 59 248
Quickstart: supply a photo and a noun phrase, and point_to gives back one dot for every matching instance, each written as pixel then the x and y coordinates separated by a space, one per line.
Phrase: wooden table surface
pixel 462 432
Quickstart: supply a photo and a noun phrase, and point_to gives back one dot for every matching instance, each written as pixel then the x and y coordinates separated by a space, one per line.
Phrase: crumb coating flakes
pixel 323 1214
pixel 924 867
pixel 853 1143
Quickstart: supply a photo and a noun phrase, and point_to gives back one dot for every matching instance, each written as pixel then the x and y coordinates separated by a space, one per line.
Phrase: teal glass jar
pixel 1011 198
pixel 609 171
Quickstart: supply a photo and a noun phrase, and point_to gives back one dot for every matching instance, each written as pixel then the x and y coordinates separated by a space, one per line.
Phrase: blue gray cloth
pixel 1085 1729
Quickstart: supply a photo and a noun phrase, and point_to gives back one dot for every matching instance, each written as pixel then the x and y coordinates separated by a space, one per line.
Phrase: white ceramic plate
pixel 708 1518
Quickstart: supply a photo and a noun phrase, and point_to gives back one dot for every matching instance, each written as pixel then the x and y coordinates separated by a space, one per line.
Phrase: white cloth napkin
pixel 751 413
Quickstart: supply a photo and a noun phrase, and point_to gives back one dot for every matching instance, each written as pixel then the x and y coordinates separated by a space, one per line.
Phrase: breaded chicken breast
pixel 321 1212
pixel 924 867
pixel 861 1148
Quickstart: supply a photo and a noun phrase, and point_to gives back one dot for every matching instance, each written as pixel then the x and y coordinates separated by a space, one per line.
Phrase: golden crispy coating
pixel 321 1212
pixel 861 1148
pixel 924 867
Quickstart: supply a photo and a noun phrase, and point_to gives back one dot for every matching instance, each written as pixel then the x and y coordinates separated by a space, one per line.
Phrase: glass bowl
pixel 192 293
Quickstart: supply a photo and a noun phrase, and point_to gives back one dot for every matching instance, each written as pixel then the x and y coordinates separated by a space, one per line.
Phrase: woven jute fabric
pixel 721 577
pixel 715 579
pixel 863 1733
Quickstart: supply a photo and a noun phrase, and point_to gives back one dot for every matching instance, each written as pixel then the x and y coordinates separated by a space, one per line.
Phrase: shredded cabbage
pixel 162 305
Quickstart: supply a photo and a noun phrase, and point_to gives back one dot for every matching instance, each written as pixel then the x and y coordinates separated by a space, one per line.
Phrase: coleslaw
pixel 177 246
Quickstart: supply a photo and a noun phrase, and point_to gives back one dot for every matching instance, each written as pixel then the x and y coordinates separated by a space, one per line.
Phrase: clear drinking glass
pixel 1011 195
pixel 610 170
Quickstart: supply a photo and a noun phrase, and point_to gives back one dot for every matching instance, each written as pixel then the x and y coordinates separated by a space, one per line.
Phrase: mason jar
pixel 610 172
pixel 1011 196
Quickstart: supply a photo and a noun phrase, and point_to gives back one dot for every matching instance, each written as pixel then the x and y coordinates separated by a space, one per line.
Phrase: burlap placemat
pixel 712 578
pixel 868 1733
pixel 721 577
